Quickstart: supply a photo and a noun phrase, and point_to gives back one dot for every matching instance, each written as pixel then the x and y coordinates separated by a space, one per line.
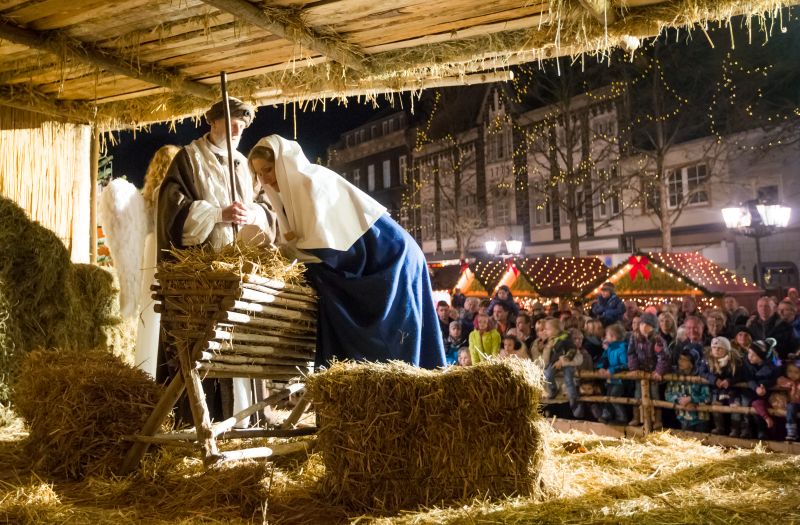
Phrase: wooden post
pixel 647 405
pixel 197 402
pixel 94 161
pixel 153 423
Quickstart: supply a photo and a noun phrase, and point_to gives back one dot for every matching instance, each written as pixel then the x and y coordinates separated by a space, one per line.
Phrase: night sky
pixel 316 130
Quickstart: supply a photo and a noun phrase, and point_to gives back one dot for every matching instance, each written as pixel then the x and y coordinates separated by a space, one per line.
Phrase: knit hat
pixel 238 109
pixel 721 342
pixel 648 318
pixel 761 348
pixel 608 285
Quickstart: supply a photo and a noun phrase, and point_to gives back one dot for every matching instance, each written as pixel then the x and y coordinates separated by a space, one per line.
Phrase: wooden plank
pixel 306 38
pixel 197 403
pixel 285 364
pixel 226 425
pixel 58 44
pixel 258 371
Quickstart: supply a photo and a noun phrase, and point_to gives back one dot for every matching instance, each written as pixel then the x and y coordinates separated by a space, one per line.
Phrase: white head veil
pixel 323 210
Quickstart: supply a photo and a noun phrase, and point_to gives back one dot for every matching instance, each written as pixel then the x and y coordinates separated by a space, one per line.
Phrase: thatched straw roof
pixel 134 61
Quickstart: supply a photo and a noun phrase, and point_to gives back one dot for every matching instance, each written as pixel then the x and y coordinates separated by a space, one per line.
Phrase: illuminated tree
pixel 573 145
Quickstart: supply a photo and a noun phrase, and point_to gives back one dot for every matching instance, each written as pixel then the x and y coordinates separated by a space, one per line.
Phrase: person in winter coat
pixel 723 371
pixel 647 353
pixel 560 356
pixel 504 296
pixel 614 359
pixel 608 308
pixel 485 341
pixel 791 382
pixel 760 373
pixel 686 395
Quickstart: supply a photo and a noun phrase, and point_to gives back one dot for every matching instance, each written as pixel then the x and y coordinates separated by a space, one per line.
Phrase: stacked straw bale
pixel 243 311
pixel 45 300
pixel 78 405
pixel 396 437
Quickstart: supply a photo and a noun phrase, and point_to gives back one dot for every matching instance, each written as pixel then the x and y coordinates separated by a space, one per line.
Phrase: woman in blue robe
pixel 375 300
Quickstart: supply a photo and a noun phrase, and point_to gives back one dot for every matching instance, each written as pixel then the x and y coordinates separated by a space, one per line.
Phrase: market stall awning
pixel 668 275
pixel 130 62
pixel 563 276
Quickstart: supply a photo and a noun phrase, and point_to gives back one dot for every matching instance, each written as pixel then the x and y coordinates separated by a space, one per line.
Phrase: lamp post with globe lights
pixel 757 220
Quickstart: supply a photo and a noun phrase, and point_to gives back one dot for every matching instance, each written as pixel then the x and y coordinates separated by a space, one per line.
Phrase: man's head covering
pixel 608 285
pixel 238 110
pixel 323 209
pixel 649 319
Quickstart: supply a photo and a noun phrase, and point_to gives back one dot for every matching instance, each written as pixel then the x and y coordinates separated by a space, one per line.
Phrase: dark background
pixel 316 130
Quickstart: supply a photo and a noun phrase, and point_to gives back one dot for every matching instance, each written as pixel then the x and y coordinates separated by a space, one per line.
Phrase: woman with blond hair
pixel 148 321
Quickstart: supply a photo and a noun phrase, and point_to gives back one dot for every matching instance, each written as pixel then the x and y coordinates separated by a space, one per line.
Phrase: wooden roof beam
pixel 32 100
pixel 58 44
pixel 601 10
pixel 244 10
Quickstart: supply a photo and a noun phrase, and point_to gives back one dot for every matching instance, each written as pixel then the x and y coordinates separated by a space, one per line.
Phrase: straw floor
pixel 662 479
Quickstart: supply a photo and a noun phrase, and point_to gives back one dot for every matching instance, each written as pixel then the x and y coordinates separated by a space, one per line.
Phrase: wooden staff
pixel 223 78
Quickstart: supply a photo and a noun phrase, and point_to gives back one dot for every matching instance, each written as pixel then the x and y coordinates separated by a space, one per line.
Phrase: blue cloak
pixel 375 300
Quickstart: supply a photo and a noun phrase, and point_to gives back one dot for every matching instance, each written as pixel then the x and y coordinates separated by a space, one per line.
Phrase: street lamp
pixel 757 220
pixel 513 248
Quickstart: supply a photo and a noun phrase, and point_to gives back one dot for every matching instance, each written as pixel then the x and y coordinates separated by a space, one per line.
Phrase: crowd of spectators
pixel 746 360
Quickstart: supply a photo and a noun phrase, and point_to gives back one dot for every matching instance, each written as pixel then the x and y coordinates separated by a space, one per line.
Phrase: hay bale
pixel 45 300
pixel 77 406
pixel 395 437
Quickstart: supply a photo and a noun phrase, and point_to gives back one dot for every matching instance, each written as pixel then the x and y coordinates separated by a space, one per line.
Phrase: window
pixel 496 145
pixel 401 161
pixel 579 204
pixel 371 177
pixel 501 211
pixel 687 183
pixel 385 126
pixel 768 194
pixel 374 132
pixel 362 135
pixel 387 173
pixel 543 214
pixel 391 125
pixel 357 178
pixel 348 140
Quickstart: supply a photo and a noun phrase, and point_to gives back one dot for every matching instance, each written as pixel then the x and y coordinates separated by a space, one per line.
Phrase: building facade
pixel 559 178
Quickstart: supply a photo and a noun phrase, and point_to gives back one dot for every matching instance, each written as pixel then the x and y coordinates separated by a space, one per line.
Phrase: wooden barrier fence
pixel 648 405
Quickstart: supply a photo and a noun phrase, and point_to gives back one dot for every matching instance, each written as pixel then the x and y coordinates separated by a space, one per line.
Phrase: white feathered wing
pixel 123 215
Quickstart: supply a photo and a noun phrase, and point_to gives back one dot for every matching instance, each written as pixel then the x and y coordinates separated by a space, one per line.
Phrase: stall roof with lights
pixel 129 62
pixel 563 276
pixel 669 275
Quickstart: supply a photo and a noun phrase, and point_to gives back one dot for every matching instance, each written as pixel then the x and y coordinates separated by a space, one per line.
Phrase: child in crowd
pixel 791 382
pixel 464 357
pixel 513 347
pixel 484 342
pixel 684 395
pixel 647 353
pixel 593 338
pixel 455 341
pixel 560 355
pixel 614 359
pixel 760 373
pixel 724 370
pixel 537 348
pixel 588 365
pixel 741 343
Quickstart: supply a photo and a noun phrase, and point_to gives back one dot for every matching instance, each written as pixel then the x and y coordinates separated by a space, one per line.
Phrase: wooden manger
pixel 231 324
